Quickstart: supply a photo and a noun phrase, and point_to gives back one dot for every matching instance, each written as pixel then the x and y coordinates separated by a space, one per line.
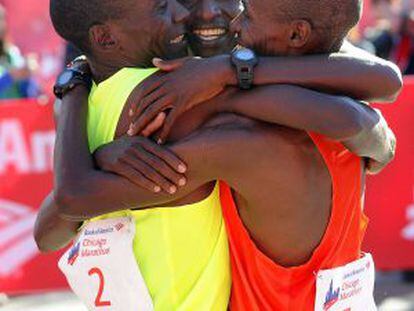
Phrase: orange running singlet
pixel 261 284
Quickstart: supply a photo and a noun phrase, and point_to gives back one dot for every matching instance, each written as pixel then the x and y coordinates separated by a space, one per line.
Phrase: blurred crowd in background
pixel 390 34
pixel 16 71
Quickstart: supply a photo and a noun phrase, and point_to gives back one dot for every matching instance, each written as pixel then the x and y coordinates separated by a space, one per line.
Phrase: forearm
pixel 353 73
pixel 51 232
pixel 363 78
pixel 82 191
pixel 335 117
pixel 359 127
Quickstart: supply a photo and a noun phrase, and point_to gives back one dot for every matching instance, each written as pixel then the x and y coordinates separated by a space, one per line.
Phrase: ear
pixel 300 33
pixel 102 38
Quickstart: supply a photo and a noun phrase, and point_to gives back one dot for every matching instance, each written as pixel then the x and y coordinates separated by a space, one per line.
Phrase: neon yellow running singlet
pixel 182 252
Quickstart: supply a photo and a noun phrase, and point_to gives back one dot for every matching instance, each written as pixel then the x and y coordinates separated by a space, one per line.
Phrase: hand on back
pixel 183 84
pixel 143 163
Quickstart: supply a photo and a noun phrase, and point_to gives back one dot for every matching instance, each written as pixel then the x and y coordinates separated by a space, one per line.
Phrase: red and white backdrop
pixel 390 195
pixel 26 147
pixel 26 140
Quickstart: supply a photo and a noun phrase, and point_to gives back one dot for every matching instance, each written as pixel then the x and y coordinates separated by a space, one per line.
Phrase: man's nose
pixel 180 13
pixel 208 10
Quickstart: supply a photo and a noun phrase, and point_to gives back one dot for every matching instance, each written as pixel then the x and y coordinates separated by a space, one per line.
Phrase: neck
pixel 103 69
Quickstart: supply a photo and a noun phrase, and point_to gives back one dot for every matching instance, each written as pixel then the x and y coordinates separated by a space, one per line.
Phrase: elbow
pixel 43 244
pixel 360 124
pixel 352 123
pixel 70 202
pixel 42 237
pixel 392 84
pixel 41 241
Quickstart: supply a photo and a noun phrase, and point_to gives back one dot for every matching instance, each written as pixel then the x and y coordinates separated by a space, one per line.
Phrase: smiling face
pixel 209 25
pixel 147 29
pixel 152 28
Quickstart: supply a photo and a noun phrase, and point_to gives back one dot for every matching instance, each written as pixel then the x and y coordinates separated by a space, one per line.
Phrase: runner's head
pixel 294 27
pixel 209 25
pixel 122 32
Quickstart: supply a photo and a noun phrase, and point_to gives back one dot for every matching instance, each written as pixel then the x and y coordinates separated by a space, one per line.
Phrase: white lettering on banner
pixel 408 231
pixel 42 151
pixel 17 245
pixel 34 156
pixel 13 150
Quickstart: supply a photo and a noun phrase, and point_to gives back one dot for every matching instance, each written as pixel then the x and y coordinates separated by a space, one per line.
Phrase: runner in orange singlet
pixel 261 284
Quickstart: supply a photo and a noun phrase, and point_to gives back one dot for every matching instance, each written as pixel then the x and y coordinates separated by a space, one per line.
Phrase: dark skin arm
pixel 361 129
pixel 341 118
pixel 356 127
pixel 80 184
pixel 189 82
pixel 381 70
pixel 336 74
pixel 49 221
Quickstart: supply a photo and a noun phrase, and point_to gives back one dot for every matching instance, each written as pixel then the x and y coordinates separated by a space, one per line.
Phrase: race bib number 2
pixel 347 288
pixel 101 268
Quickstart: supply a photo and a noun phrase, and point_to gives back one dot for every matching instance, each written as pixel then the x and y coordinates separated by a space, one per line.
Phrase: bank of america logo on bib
pixel 332 297
pixel 17 245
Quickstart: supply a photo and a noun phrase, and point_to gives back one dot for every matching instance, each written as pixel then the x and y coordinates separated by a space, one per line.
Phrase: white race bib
pixel 347 288
pixel 101 268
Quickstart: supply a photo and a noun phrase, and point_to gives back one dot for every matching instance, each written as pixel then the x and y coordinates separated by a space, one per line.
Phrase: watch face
pixel 65 77
pixel 244 54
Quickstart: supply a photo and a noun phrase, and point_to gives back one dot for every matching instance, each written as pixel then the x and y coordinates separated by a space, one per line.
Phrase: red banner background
pixel 390 195
pixel 26 147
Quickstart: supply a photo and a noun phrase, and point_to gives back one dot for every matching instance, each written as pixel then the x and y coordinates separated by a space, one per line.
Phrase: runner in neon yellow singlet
pixel 183 267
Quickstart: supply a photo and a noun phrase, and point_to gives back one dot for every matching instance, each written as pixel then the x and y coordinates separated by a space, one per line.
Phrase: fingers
pixel 169 65
pixel 150 166
pixel 160 105
pixel 168 124
pixel 144 89
pixel 147 101
pixel 156 172
pixel 167 156
pixel 137 178
pixel 154 126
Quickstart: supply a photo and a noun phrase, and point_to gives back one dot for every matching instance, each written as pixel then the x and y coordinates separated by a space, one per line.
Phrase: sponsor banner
pixel 390 195
pixel 26 147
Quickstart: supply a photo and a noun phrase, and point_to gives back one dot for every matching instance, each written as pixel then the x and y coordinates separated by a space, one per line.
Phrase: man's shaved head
pixel 330 19
pixel 72 19
pixel 296 27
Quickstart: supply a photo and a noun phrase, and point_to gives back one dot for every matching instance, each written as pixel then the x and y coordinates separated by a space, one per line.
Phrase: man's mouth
pixel 177 40
pixel 210 34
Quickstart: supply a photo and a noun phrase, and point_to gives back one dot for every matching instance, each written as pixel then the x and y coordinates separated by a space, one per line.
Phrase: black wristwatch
pixel 76 73
pixel 244 60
